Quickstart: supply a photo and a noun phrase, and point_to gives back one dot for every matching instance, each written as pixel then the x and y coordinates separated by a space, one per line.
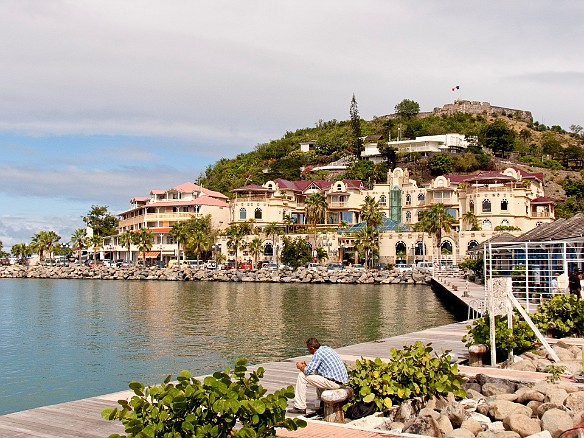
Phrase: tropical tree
pixel 498 137
pixel 407 108
pixel 256 247
pixel 198 242
pixel 367 243
pixel 272 229
pixel 470 219
pixel 321 254
pixel 315 209
pixel 95 242
pixel 21 251
pixel 434 221
pixel 40 243
pixel 144 241
pixel 236 234
pixel 296 252
pixel 179 233
pixel 126 239
pixel 101 221
pixel 288 222
pixel 79 240
pixel 52 240
pixel 371 213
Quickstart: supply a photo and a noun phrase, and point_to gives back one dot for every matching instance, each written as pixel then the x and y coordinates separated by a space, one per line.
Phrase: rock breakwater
pixel 300 275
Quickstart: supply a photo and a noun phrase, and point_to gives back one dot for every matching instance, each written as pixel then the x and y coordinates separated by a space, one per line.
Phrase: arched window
pixel 197 208
pixel 408 199
pixel 487 225
pixel 471 206
pixel 268 250
pixel 258 213
pixel 383 200
pixel 408 216
pixel 504 205
pixel 446 247
pixel 538 224
pixel 486 206
pixel 400 250
pixel 242 214
pixel 472 244
pixel 421 197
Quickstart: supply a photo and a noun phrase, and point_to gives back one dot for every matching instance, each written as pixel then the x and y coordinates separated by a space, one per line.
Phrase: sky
pixel 104 100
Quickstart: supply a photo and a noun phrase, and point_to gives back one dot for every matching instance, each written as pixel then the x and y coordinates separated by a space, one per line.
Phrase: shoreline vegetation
pixel 300 275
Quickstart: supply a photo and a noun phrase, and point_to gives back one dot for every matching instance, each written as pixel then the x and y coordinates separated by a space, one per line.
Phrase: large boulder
pixel 522 424
pixel 556 421
pixel 500 409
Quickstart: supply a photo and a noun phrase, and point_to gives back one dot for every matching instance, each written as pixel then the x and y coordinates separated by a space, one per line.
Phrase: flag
pixel 456 88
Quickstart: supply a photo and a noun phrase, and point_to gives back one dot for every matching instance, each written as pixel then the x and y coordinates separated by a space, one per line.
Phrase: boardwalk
pixel 81 419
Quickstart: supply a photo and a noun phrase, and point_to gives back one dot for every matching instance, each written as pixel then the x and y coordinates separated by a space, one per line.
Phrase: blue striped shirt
pixel 327 363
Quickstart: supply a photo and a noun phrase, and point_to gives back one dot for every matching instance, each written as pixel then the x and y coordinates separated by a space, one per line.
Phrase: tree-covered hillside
pixel 531 143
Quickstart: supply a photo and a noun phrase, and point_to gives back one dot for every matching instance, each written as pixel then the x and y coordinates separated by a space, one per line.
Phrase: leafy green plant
pixel 560 317
pixel 555 372
pixel 205 409
pixel 519 339
pixel 411 372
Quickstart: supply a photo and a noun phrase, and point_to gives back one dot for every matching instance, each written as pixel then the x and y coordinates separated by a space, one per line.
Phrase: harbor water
pixel 63 340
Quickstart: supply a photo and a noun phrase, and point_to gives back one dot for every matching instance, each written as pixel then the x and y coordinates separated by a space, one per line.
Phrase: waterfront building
pixel 160 211
pixel 510 200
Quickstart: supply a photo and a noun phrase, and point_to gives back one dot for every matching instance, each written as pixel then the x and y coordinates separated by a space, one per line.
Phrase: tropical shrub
pixel 210 408
pixel 518 339
pixel 411 372
pixel 560 317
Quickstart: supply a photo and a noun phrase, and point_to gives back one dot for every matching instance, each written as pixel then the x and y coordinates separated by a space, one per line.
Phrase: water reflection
pixel 72 339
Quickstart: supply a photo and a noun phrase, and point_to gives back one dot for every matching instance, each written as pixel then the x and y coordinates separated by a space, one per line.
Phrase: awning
pixel 150 255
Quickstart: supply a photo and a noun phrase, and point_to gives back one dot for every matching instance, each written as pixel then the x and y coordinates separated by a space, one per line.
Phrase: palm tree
pixel 199 241
pixel 52 239
pixel 256 247
pixel 272 229
pixel 79 239
pixel 316 208
pixel 179 233
pixel 371 213
pixel 127 238
pixel 288 222
pixel 21 251
pixel 144 240
pixel 236 234
pixel 470 218
pixel 95 241
pixel 40 243
pixel 434 221
pixel 367 242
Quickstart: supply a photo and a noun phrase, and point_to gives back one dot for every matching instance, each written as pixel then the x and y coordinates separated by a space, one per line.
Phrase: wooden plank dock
pixel 82 419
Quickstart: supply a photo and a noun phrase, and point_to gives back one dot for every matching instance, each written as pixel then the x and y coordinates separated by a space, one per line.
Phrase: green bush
pixel 561 316
pixel 411 372
pixel 211 408
pixel 519 339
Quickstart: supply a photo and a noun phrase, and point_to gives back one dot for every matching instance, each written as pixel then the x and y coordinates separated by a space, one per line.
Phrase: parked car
pixel 425 267
pixel 269 266
pixel 335 267
pixel 313 266
pixel 403 268
pixel 175 262
pixel 211 264
pixel 230 264
pixel 195 264
pixel 108 262
pixel 246 265
pixel 358 267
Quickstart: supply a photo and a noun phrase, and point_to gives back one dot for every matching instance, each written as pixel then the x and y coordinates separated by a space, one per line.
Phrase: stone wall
pixel 301 275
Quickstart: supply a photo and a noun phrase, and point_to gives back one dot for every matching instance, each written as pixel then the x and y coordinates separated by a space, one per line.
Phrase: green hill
pixel 498 135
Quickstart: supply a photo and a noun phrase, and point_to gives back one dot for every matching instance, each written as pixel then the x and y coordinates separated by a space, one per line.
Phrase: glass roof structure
pixel 388 225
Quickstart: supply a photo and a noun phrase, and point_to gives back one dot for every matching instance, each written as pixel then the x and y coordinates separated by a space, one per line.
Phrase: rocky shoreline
pixel 300 275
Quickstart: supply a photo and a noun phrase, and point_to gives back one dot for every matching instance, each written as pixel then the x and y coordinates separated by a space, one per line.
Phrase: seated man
pixel 326 370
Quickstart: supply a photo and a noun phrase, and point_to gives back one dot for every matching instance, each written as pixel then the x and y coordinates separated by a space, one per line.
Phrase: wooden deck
pixel 82 418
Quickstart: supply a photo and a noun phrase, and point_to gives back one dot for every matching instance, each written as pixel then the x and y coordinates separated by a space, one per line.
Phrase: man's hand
pixel 301 365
